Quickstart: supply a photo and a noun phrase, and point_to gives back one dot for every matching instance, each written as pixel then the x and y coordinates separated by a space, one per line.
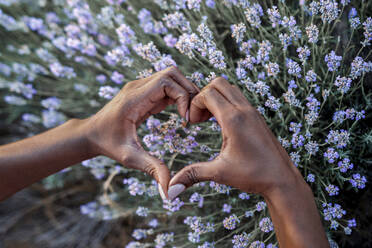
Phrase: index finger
pixel 209 100
pixel 177 76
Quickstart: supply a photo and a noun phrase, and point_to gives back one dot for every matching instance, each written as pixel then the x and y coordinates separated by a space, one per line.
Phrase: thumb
pixel 142 160
pixel 189 175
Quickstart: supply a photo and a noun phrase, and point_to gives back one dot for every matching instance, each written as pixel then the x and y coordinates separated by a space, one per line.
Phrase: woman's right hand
pixel 253 160
pixel 251 157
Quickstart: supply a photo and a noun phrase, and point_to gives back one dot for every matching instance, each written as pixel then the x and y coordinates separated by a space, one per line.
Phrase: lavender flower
pixel 312 33
pixel 345 165
pixel 338 137
pixel 303 53
pixel 266 225
pixel 274 16
pixel 117 78
pixel 367 26
pixel 331 155
pixel 310 76
pixel 253 15
pixel 358 181
pixel 329 10
pixel 333 61
pixel 238 31
pixel 343 84
pixel 231 222
pixel 332 189
pixel 293 68
pixel 241 240
pixel 310 178
pixel 286 40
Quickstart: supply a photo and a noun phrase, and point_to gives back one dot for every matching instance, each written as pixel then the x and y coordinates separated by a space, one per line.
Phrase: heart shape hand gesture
pixel 251 158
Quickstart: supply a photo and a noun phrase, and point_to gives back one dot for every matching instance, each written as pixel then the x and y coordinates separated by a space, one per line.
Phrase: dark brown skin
pixel 251 158
pixel 110 132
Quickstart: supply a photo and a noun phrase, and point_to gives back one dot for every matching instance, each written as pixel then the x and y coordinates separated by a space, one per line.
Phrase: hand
pixel 251 157
pixel 113 129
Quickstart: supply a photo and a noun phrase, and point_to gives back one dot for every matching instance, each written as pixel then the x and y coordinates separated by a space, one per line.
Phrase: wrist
pixel 84 132
pixel 295 215
pixel 292 186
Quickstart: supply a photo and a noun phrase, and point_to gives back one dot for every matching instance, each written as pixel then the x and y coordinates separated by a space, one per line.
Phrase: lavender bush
pixel 304 66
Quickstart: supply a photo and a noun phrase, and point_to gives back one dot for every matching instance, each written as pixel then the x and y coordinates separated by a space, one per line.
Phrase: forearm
pixel 295 216
pixel 27 161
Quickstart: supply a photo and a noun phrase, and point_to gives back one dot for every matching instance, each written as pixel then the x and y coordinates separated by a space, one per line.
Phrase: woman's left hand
pixel 112 131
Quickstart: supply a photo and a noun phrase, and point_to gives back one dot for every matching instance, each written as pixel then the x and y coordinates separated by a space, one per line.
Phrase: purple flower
pixel 358 181
pixel 126 34
pixel 303 53
pixel 367 26
pixel 293 68
pixel 274 16
pixel 260 206
pixel 312 32
pixel 253 14
pixel 164 62
pixel 210 3
pixel 101 78
pixel 35 24
pixel 332 189
pixel 332 212
pixel 331 155
pixel 108 92
pixel 310 76
pixel 333 61
pixel 169 40
pixel 51 103
pixel 226 208
pixel 345 165
pixel 343 84
pixel 266 225
pixel 231 222
pixel 338 137
pixel 310 178
pixel 238 31
pixel 117 78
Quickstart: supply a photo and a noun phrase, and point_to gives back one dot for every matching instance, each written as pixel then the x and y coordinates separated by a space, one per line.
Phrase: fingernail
pixel 175 190
pixel 187 115
pixel 161 192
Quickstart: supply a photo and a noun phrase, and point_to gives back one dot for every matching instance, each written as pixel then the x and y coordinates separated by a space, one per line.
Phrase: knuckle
pixel 127 159
pixel 182 98
pixel 207 90
pixel 218 80
pixel 150 170
pixel 192 175
pixel 130 85
pixel 171 69
pixel 164 81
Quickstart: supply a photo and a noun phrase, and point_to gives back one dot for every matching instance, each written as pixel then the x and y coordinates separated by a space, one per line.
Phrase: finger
pixel 209 99
pixel 155 110
pixel 167 87
pixel 199 115
pixel 177 75
pixel 229 91
pixel 192 174
pixel 137 158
